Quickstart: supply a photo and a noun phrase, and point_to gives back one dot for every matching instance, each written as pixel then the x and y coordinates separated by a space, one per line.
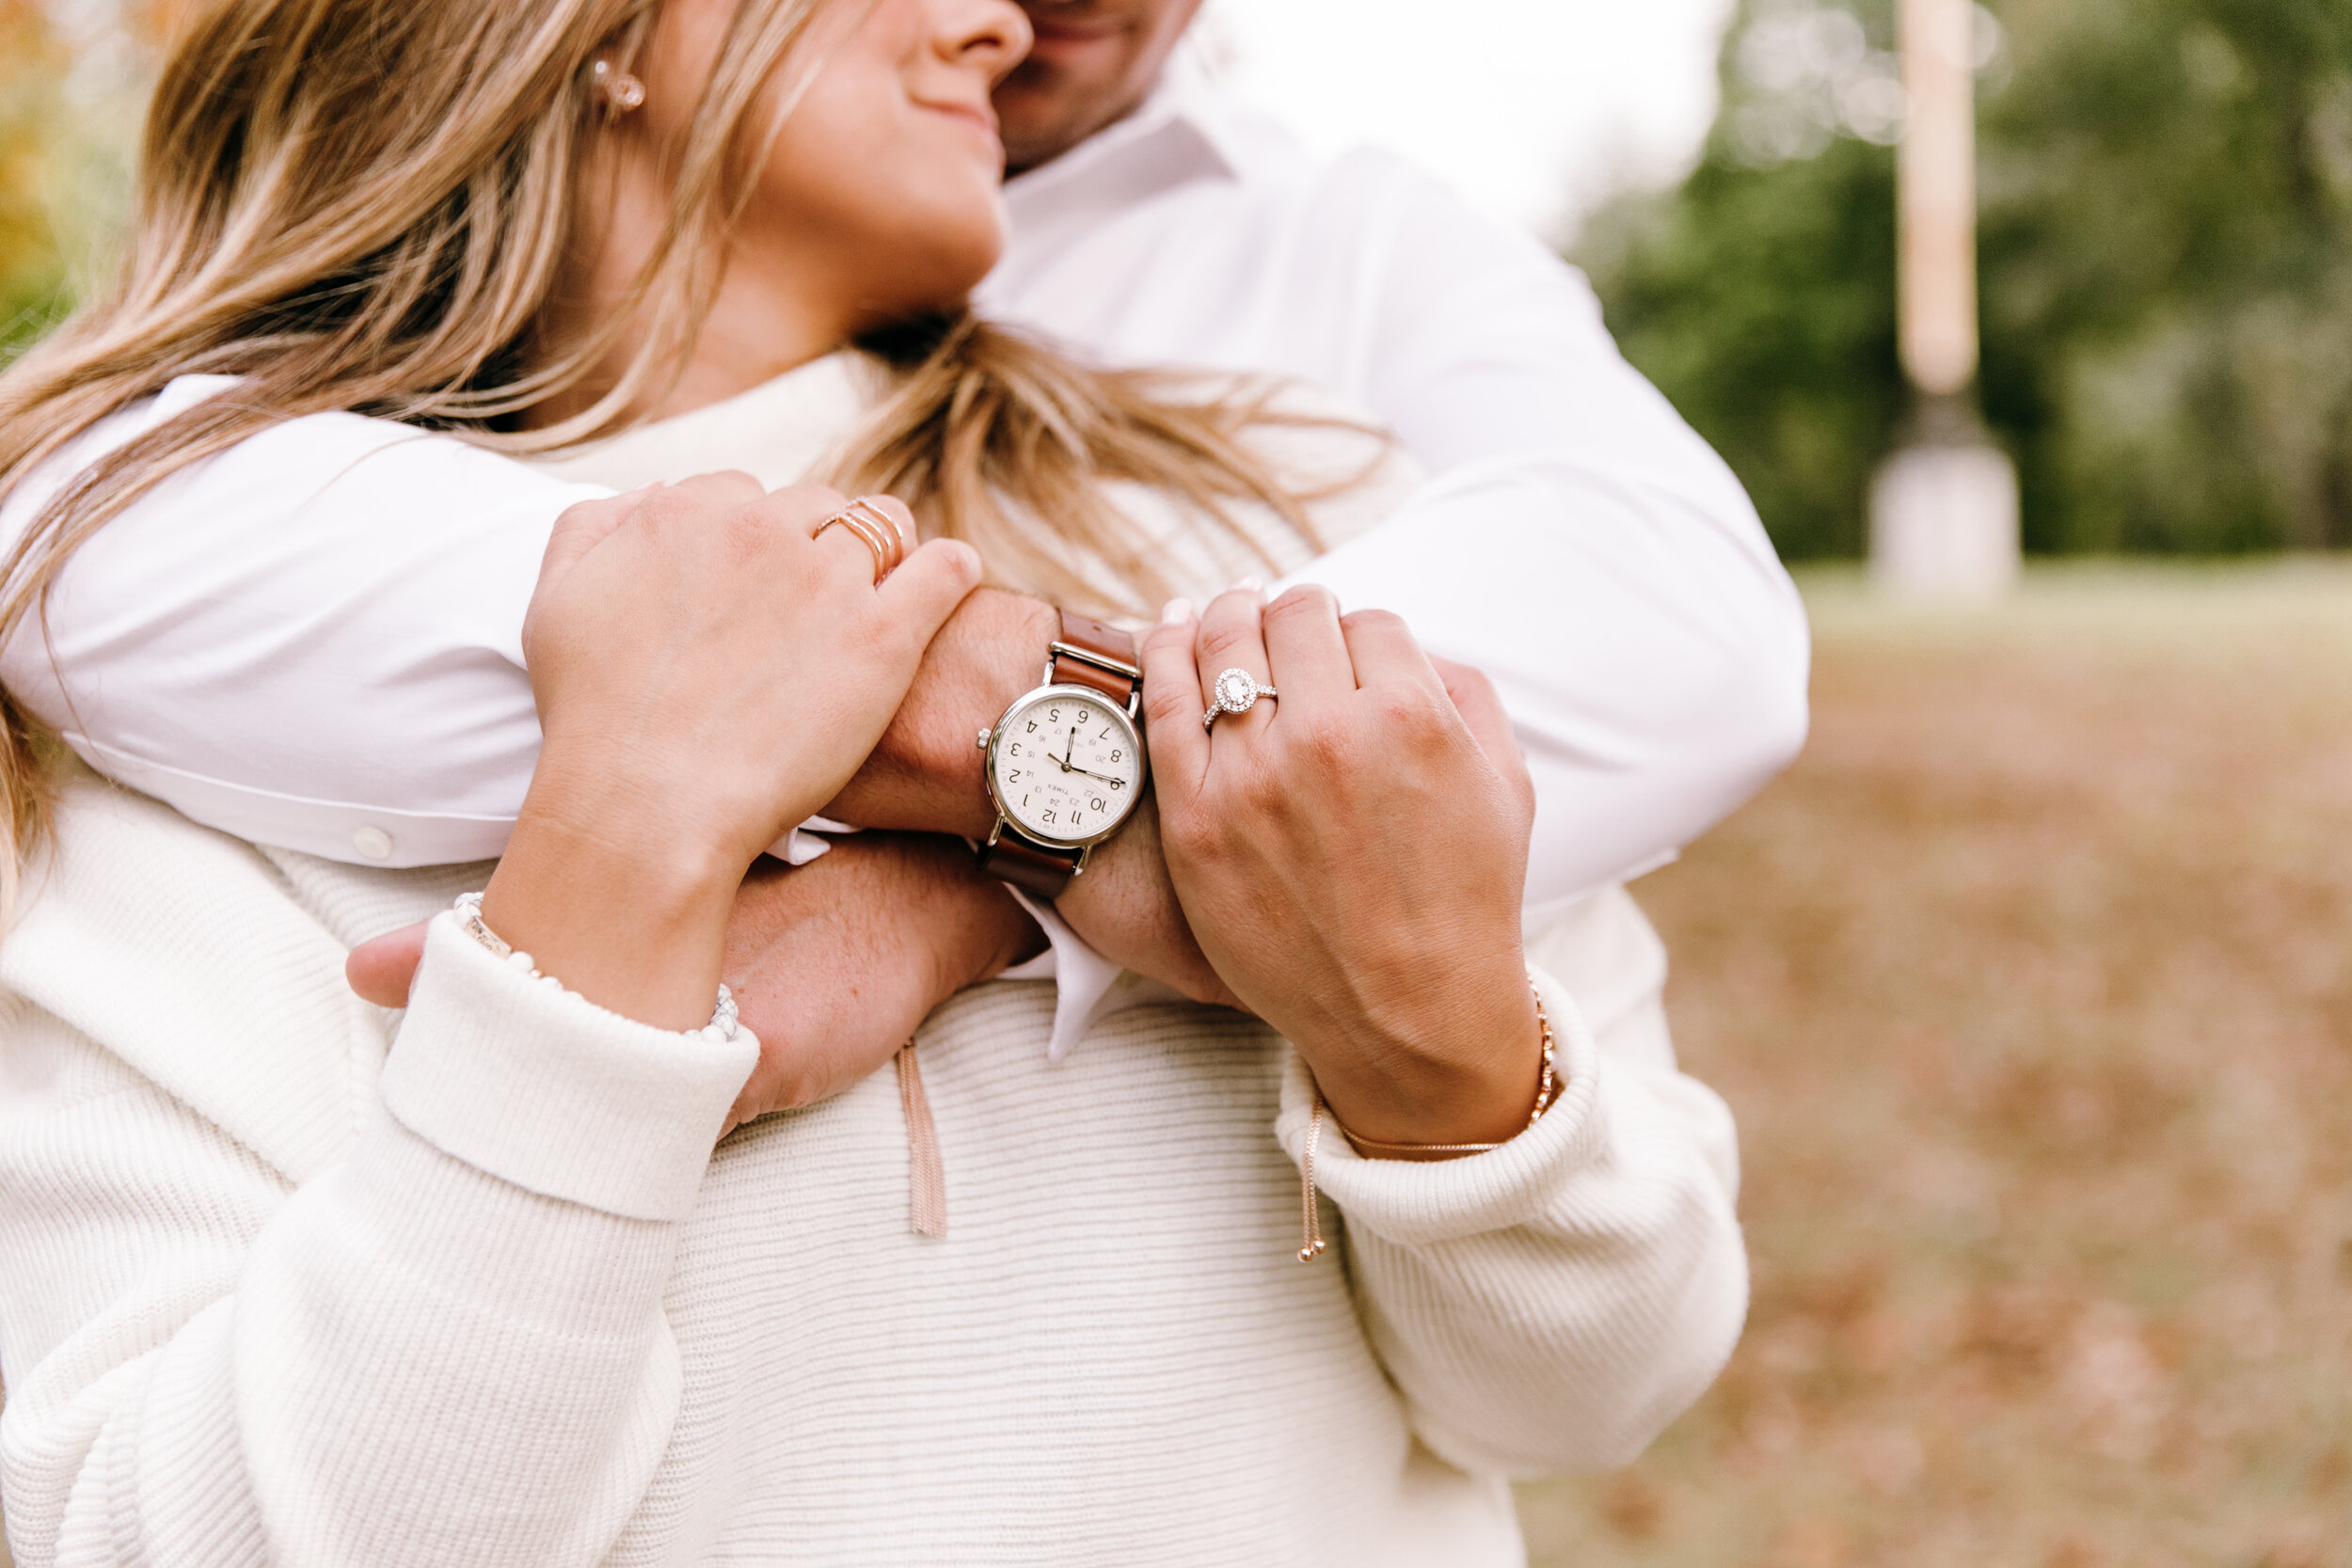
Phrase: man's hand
pixel 1125 908
pixel 833 965
pixel 836 963
pixel 926 774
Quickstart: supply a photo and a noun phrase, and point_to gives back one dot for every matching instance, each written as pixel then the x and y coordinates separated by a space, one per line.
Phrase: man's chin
pixel 1101 55
pixel 1041 121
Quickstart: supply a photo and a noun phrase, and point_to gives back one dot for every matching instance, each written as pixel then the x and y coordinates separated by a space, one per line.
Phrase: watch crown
pixel 983 740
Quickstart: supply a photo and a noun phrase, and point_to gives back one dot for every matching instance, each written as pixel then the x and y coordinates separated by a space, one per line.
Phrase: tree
pixel 2166 198
pixel 32 267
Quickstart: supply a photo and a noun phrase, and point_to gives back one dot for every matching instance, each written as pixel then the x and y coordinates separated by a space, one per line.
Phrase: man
pixel 1578 541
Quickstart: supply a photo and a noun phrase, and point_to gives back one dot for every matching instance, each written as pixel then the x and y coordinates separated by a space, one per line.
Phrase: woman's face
pixel 882 188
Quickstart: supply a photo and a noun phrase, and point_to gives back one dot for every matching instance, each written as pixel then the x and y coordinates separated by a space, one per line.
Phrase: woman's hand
pixel 1352 855
pixel 708 674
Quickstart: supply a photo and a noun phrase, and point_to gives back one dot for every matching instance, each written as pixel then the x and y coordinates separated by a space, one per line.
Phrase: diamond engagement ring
pixel 1237 691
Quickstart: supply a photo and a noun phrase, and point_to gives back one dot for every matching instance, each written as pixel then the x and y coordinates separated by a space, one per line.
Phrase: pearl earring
pixel 621 91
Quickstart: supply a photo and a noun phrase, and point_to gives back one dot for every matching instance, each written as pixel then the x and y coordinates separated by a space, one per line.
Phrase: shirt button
pixel 373 843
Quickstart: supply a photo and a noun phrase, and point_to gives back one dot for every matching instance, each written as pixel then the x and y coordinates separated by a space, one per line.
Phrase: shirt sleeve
pixel 1576 541
pixel 312 639
pixel 1550 1306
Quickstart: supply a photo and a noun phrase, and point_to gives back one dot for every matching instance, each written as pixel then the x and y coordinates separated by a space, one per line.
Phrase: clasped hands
pixel 1345 861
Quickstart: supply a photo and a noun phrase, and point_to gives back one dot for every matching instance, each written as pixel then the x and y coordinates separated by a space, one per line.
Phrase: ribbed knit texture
pixel 265 1300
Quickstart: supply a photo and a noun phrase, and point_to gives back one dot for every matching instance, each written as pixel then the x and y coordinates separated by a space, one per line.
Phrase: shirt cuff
pixel 1420 1203
pixel 1089 988
pixel 539 1086
pixel 806 842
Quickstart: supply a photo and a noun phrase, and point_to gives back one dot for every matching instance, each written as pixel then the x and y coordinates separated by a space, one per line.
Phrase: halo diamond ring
pixel 1237 691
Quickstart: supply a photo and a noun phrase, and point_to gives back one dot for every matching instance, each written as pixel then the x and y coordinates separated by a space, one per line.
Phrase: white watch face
pixel 1066 765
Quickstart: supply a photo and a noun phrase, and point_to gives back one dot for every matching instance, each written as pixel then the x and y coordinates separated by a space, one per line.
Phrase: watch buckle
pixel 1087 656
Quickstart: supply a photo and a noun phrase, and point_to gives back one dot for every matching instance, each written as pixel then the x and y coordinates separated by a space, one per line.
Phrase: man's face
pixel 1094 62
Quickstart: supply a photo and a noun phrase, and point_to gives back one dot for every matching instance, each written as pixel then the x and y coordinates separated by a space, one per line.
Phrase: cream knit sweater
pixel 277 1290
pixel 285 1278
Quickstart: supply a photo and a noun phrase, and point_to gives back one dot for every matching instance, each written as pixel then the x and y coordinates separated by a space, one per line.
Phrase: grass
pixel 2029 986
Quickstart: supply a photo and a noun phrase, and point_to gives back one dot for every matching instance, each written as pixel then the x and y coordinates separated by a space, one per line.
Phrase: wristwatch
pixel 1065 762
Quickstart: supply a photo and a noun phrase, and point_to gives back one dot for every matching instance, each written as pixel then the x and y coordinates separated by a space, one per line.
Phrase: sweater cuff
pixel 539 1086
pixel 1418 1203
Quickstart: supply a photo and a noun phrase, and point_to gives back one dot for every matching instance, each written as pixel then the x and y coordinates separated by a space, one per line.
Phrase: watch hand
pixel 1091 774
pixel 1070 750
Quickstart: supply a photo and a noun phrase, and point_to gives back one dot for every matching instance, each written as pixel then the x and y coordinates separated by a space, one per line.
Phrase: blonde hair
pixel 338 257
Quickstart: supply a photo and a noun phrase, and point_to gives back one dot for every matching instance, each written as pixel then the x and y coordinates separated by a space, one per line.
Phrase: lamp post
pixel 1944 506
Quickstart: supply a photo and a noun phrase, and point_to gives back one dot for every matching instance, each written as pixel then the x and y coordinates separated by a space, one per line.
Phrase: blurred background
pixel 2164 193
pixel 2028 982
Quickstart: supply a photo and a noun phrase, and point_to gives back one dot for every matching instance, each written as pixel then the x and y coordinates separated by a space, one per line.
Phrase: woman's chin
pixel 951 272
pixel 905 306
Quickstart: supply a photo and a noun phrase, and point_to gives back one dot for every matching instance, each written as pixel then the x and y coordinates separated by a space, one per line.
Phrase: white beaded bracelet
pixel 722 1028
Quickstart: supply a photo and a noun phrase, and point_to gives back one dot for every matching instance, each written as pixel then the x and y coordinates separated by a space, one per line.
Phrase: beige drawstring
pixel 1309 1225
pixel 927 1176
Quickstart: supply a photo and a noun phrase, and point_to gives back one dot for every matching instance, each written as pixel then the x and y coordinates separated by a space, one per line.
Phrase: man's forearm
pixel 926 773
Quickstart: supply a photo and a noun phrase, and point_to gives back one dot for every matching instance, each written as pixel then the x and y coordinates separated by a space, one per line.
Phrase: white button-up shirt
pixel 314 640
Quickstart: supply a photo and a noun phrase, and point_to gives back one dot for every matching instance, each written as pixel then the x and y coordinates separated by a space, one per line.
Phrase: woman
pixel 490 1294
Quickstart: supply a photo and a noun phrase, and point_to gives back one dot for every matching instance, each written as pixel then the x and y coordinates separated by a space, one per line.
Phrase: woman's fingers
pixel 1305 651
pixel 1385 651
pixel 1232 636
pixel 582 527
pixel 920 595
pixel 1481 708
pixel 812 507
pixel 898 512
pixel 1173 704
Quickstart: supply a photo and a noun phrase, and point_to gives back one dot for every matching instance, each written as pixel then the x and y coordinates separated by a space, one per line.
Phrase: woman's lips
pixel 977 124
pixel 982 119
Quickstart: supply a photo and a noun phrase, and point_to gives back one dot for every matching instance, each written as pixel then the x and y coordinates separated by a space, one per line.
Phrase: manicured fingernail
pixel 1175 612
pixel 1252 585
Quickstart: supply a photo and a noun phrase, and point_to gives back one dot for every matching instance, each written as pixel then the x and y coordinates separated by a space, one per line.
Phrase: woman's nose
pixel 993 34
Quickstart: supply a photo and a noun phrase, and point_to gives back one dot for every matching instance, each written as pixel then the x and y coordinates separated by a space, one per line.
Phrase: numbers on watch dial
pixel 1076 769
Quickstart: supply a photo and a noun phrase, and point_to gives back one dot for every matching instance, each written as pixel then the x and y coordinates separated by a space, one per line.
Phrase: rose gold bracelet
pixel 1547 1093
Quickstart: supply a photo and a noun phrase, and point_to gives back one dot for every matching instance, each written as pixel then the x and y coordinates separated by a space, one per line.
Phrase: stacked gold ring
pixel 877 529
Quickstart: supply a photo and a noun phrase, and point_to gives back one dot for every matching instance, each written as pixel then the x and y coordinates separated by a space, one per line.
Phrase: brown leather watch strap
pixel 1103 642
pixel 1028 866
